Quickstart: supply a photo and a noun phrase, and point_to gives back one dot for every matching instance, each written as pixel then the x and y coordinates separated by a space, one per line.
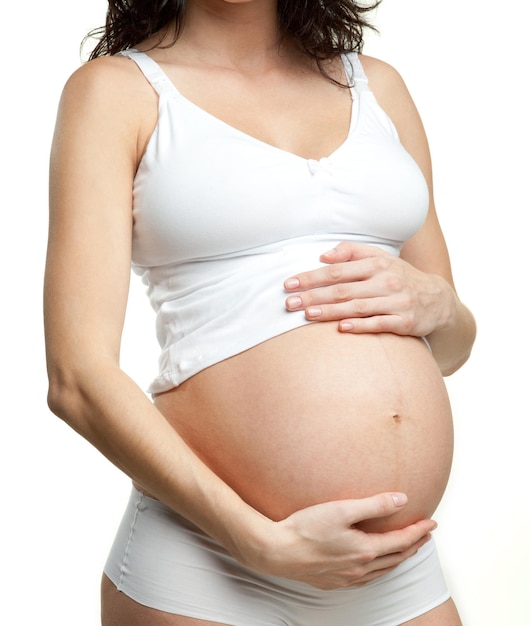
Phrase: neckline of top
pixel 158 74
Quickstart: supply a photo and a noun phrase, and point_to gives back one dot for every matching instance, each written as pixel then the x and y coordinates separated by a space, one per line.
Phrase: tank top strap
pixel 151 70
pixel 354 71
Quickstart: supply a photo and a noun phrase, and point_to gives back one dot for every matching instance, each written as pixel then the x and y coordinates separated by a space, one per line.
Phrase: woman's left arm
pixel 370 291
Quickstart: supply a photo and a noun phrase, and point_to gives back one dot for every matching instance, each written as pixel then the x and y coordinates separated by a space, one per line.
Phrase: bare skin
pixel 88 268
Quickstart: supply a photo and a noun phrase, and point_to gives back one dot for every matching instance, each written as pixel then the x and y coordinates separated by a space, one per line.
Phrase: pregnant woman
pixel 272 187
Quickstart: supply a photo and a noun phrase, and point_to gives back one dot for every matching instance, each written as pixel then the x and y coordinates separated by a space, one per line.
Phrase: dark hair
pixel 322 28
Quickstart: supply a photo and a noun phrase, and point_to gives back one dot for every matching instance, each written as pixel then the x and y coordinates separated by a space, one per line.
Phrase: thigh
pixel 117 609
pixel 443 615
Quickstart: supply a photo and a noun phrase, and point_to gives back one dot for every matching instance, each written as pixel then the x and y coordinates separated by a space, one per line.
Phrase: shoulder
pixel 100 75
pixel 392 95
pixel 107 80
pixel 384 79
pixel 111 96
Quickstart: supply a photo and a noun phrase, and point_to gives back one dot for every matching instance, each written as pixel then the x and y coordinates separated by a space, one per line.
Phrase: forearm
pixel 114 415
pixel 319 545
pixel 452 341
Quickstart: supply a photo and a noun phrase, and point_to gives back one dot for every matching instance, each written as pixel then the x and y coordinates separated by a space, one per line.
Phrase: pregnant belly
pixel 314 415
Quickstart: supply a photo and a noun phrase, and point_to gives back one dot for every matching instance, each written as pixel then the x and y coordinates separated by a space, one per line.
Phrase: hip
pixel 164 562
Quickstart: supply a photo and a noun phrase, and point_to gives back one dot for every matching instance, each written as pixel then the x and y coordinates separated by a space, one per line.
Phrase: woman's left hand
pixel 368 290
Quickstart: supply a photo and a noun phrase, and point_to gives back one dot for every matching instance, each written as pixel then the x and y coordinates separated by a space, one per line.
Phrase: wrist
pixel 450 319
pixel 454 335
pixel 251 540
pixel 448 303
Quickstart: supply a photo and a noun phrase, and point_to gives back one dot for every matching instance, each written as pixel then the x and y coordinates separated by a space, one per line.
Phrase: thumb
pixel 380 505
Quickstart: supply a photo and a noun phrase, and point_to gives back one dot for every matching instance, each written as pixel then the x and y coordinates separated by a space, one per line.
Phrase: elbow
pixel 68 401
pixel 451 366
pixel 75 390
pixel 451 353
pixel 449 369
pixel 69 390
pixel 62 396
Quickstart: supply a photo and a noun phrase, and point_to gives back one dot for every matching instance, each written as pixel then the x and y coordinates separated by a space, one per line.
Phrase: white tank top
pixel 221 219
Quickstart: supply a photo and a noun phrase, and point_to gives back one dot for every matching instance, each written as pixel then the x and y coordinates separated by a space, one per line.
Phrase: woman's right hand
pixel 321 545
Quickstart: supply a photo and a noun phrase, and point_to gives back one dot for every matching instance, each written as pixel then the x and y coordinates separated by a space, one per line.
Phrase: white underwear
pixel 162 561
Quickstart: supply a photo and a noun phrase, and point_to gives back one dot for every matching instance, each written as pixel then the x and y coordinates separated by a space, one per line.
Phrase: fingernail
pixel 292 283
pixel 400 499
pixel 314 311
pixel 330 252
pixel 345 326
pixel 294 302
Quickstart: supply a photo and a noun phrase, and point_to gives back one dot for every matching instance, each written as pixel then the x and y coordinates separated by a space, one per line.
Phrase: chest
pixel 205 188
pixel 296 111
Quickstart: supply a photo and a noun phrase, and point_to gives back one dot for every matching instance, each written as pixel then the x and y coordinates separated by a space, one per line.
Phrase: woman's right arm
pixel 100 135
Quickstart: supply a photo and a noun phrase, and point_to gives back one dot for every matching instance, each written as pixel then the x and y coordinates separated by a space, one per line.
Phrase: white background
pixel 466 66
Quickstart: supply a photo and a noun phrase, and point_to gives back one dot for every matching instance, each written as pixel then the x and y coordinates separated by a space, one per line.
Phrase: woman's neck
pixel 238 34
